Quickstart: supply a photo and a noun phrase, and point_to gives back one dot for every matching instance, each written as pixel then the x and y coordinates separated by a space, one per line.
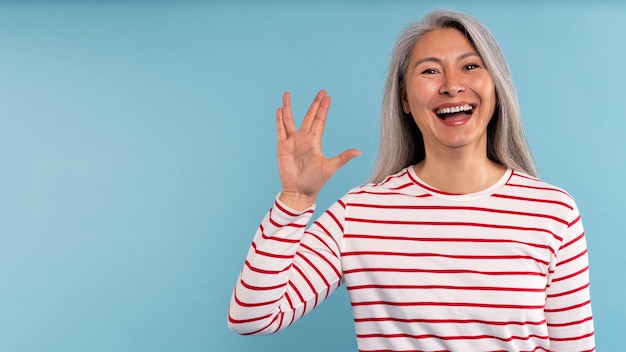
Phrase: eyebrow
pixel 438 60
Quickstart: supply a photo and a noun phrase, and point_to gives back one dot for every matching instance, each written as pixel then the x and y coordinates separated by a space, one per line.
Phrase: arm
pixel 288 271
pixel 302 166
pixel 568 305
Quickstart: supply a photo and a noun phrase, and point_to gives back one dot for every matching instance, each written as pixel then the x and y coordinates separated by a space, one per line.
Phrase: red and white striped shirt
pixel 504 269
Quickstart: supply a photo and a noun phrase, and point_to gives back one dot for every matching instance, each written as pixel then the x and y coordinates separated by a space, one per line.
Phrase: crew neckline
pixel 460 197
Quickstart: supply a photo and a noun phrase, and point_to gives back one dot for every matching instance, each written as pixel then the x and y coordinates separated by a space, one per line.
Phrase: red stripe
pixel 295 288
pixel 445 304
pixel 536 349
pixel 261 288
pixel 476 337
pixel 282 317
pixel 574 221
pixel 335 219
pixel 405 351
pixel 311 287
pixel 324 259
pixel 271 255
pixel 322 241
pixel 571 275
pixel 425 195
pixel 263 328
pixel 292 308
pixel 442 271
pixel 439 255
pixel 568 292
pixel 450 321
pixel 443 287
pixel 263 271
pixel 452 223
pixel 319 273
pixel 556 310
pixel 276 224
pixel 402 186
pixel 392 177
pixel 571 323
pixel 436 207
pixel 573 338
pixel 572 241
pixel 528 177
pixel 572 258
pixel 257 304
pixel 540 188
pixel 428 188
pixel 473 240
pixel 274 238
pixel 243 321
pixel 536 200
pixel 292 214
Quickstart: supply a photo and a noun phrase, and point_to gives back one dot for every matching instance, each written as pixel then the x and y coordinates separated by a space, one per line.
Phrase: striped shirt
pixel 504 269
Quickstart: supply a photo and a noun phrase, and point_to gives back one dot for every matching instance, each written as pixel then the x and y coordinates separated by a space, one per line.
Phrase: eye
pixel 470 67
pixel 429 71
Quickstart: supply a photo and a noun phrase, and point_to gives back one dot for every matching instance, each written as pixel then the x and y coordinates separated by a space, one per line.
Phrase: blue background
pixel 137 147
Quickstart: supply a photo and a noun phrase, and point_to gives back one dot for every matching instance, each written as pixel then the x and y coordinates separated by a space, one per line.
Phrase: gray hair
pixel 401 142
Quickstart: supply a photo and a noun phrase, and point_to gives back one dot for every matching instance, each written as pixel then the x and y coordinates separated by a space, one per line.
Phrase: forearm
pixel 568 302
pixel 286 274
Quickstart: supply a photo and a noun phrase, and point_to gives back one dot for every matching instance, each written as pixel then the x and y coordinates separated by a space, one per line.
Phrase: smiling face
pixel 449 93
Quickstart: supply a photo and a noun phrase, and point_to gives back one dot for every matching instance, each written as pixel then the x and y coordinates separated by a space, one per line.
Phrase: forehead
pixel 441 43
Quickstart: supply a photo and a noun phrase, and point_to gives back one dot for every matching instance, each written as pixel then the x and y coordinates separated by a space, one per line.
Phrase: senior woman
pixel 455 244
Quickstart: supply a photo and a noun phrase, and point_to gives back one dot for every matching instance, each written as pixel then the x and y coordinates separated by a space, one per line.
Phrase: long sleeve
pixel 568 304
pixel 288 271
pixel 505 269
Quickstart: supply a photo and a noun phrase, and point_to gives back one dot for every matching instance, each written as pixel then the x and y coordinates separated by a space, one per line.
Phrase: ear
pixel 405 104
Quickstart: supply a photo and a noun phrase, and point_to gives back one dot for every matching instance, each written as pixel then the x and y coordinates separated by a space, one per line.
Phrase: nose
pixel 452 84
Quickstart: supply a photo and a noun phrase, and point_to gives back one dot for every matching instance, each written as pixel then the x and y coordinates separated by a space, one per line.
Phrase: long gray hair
pixel 401 142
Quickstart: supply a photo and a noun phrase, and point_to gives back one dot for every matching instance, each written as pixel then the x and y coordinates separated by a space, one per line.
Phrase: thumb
pixel 340 160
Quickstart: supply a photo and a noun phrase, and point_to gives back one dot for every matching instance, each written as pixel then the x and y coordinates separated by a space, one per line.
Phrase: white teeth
pixel 454 109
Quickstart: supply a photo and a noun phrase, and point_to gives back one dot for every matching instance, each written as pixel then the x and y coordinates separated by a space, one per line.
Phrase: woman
pixel 455 245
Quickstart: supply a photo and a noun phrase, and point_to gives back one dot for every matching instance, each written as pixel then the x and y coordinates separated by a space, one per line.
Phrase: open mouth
pixel 455 112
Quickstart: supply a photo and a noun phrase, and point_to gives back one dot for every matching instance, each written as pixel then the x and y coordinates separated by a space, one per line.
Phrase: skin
pixel 302 165
pixel 445 70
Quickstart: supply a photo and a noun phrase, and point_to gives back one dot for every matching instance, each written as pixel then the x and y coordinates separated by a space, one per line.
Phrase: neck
pixel 459 175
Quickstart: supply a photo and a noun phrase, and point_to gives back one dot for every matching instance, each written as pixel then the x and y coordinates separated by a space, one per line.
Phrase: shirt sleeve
pixel 568 303
pixel 289 270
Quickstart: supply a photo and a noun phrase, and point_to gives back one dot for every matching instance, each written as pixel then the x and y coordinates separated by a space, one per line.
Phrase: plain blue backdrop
pixel 137 147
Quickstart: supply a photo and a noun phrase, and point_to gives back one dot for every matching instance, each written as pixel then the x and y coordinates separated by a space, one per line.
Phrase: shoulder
pixel 524 180
pixel 400 182
pixel 394 189
pixel 533 188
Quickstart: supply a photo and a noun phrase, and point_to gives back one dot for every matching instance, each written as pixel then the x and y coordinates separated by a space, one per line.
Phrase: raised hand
pixel 303 167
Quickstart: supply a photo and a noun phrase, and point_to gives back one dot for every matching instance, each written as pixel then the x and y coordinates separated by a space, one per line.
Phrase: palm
pixel 303 167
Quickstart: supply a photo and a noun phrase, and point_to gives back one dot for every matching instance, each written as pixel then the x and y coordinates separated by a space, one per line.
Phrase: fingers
pixel 317 127
pixel 314 111
pixel 286 118
pixel 314 119
pixel 280 125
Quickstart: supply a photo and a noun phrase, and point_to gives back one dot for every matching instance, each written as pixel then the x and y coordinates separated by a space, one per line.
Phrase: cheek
pixel 419 93
pixel 490 100
pixel 486 88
